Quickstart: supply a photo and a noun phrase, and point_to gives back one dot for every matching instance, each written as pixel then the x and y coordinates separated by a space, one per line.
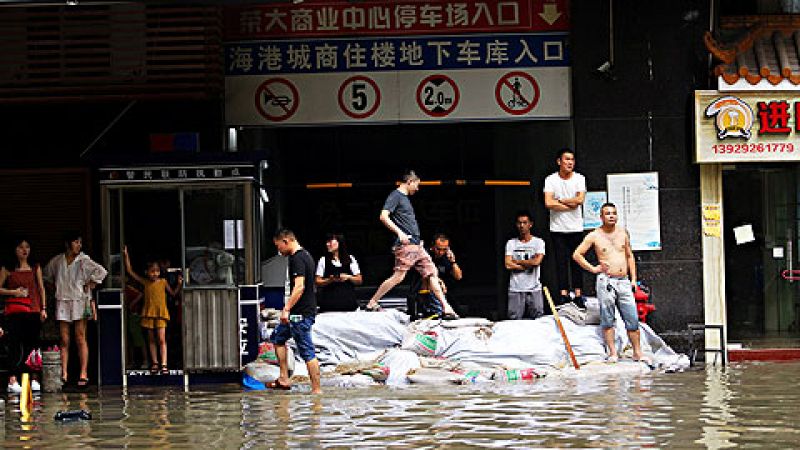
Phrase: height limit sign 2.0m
pixel 437 95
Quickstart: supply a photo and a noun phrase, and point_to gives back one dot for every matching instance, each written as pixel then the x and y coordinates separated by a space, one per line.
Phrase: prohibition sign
pixel 363 97
pixel 517 93
pixel 437 95
pixel 277 99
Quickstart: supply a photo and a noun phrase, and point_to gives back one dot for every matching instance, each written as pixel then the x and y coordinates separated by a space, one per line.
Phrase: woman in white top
pixel 337 276
pixel 74 275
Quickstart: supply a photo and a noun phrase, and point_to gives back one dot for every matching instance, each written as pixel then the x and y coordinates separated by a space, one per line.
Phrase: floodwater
pixel 754 405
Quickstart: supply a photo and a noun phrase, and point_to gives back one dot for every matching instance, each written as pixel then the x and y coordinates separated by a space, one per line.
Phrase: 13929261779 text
pixel 772 147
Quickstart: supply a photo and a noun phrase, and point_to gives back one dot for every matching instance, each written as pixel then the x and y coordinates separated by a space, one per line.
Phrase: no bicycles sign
pixel 517 93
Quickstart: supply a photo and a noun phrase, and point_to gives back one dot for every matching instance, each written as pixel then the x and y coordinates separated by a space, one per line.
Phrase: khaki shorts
pixel 73 310
pixel 413 255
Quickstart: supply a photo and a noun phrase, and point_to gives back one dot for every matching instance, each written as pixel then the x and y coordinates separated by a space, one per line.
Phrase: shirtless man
pixel 612 245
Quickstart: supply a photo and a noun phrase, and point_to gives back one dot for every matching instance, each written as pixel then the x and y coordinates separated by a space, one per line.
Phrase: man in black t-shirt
pixel 298 314
pixel 421 302
pixel 398 216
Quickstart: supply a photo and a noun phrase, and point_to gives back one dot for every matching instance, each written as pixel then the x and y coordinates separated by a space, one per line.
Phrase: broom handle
pixel 561 329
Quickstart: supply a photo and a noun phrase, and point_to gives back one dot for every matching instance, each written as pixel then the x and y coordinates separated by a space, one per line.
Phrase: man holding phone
pixel 420 301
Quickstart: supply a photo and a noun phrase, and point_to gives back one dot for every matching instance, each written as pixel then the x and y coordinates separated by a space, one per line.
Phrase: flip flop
pixel 278 386
pixel 375 308
pixel 450 316
pixel 83 382
pixel 164 369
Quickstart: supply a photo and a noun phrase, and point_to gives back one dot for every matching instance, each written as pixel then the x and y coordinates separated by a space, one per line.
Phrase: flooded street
pixel 748 405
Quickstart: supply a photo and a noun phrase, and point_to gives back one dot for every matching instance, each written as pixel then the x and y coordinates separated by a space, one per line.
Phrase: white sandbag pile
pixel 467 350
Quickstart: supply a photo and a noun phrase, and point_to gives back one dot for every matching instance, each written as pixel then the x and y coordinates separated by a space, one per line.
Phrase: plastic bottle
pixel 518 375
pixel 474 377
pixel 77 414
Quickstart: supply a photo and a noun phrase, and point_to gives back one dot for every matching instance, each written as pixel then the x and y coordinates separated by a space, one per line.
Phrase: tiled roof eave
pixel 728 82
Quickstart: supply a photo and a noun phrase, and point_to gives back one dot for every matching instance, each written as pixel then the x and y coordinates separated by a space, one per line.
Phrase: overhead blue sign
pixel 397 53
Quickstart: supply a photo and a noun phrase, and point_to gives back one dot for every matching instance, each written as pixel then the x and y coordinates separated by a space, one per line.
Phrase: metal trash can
pixel 51 371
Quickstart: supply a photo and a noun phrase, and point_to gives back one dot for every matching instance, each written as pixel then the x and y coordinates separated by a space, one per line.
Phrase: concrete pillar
pixel 713 262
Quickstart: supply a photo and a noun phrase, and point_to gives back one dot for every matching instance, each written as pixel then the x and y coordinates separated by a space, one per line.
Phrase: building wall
pixel 641 120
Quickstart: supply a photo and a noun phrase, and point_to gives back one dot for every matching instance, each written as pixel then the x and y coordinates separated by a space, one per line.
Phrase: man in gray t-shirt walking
pixel 523 257
pixel 398 216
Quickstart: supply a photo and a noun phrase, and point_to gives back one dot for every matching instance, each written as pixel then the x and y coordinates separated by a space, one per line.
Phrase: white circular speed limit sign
pixel 359 97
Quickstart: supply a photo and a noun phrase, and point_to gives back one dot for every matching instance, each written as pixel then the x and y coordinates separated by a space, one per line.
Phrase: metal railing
pixel 700 327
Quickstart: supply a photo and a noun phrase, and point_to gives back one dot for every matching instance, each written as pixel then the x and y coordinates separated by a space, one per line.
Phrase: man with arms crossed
pixel 523 256
pixel 564 193
pixel 298 314
pixel 612 245
pixel 398 216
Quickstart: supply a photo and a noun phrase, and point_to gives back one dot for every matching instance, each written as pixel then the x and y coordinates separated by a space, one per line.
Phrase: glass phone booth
pixel 202 226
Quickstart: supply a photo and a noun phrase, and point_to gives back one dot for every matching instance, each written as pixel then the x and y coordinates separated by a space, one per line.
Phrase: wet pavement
pixel 745 405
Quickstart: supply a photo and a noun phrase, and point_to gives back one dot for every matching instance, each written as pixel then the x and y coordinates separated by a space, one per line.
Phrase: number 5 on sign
pixel 359 97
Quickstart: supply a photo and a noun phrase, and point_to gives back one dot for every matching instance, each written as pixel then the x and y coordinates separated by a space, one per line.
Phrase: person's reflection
pixel 299 419
pixel 159 418
pixel 73 402
pixel 282 410
pixel 76 401
pixel 316 415
pixel 284 426
pixel 627 404
pixel 718 411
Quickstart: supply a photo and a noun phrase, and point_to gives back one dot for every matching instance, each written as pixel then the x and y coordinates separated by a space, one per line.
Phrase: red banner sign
pixel 415 17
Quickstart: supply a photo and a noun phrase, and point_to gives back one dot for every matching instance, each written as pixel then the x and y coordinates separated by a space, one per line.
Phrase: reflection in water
pixel 752 405
pixel 718 412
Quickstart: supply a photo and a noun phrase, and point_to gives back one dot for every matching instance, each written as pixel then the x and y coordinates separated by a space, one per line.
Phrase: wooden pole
pixel 561 329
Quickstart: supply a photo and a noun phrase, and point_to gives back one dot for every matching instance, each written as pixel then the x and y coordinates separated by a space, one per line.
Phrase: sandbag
pixel 379 372
pixel 262 372
pixel 423 344
pixel 347 381
pixel 358 335
pixel 353 367
pixel 266 353
pixel 433 377
pixel 572 312
pixel 467 322
pixel 399 363
pixel 592 311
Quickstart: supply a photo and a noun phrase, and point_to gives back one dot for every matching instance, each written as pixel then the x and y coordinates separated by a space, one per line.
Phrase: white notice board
pixel 591 209
pixel 636 198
